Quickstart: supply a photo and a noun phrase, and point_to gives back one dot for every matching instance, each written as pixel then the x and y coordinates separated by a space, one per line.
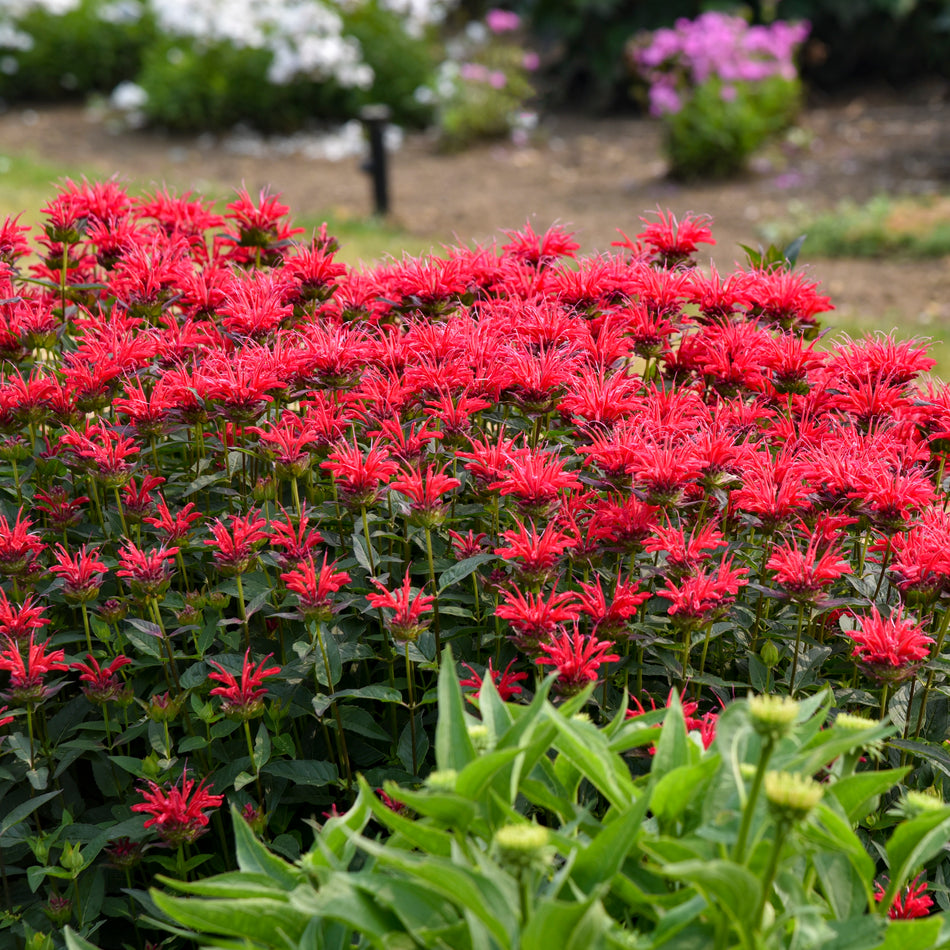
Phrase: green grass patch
pixel 885 226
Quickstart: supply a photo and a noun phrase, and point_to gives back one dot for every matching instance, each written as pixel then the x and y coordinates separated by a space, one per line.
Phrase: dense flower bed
pixel 250 494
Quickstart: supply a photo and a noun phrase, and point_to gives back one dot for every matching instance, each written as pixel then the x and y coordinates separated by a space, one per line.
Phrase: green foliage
pixel 713 137
pixel 194 86
pixel 75 53
pixel 401 63
pixel 558 832
pixel 885 226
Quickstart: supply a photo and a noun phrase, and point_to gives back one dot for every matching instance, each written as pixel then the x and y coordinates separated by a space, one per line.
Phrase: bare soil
pixel 594 174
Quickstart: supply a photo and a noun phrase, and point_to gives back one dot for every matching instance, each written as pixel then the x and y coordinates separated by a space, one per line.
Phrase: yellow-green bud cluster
pixel 773 716
pixel 791 796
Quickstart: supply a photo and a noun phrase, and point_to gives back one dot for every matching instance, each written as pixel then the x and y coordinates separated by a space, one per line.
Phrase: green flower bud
pixel 791 796
pixel 522 846
pixel 773 716
pixel 481 738
pixel 442 780
pixel 769 655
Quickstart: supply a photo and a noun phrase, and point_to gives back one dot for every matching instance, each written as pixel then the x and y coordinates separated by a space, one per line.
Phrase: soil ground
pixel 593 174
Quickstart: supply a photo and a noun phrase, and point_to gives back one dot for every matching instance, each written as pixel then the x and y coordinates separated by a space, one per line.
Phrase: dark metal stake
pixel 374 119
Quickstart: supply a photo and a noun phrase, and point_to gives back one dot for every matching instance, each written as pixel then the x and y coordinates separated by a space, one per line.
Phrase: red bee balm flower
pixel 505 681
pixel 244 700
pixel 577 658
pixel 148 572
pixel 406 624
pixel 889 650
pixel 101 683
pixel 178 813
pixel 909 903
pixel 235 552
pixel 81 574
pixel 26 676
pixel 314 586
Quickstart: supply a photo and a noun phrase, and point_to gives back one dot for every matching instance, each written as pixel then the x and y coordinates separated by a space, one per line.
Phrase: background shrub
pixel 91 48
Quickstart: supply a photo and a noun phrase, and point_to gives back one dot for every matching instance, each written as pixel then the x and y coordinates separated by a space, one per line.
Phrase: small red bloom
pixel 19 621
pixel 540 250
pixel 244 700
pixel 426 505
pixel 81 574
pixel 18 545
pixel 535 618
pixel 235 548
pixel 804 575
pixel 360 478
pixel 536 554
pixel 889 650
pixel 103 684
pixel 406 623
pixel 149 572
pixel 26 675
pixel 674 242
pixel 701 597
pixel 577 658
pixel 908 903
pixel 178 812
pixel 505 681
pixel 314 587
pixel 175 527
pixel 611 619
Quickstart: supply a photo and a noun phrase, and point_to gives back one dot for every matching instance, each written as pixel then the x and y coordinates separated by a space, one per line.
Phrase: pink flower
pixel 502 21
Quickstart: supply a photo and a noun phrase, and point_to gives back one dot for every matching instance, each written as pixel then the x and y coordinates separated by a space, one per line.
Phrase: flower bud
pixel 772 716
pixel 442 780
pixel 790 795
pixel 71 858
pixel 522 846
pixel 769 655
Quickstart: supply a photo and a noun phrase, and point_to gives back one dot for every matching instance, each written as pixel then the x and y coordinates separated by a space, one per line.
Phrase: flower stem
pixel 437 627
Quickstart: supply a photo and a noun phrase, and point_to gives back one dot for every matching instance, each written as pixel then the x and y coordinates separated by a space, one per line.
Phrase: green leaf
pixel 477 776
pixel 384 694
pixel 404 747
pixel 359 720
pixel 303 771
pixel 585 746
pixel 686 785
pixel 445 807
pixel 453 747
pixel 462 569
pixel 259 919
pixel 732 887
pixel 604 856
pixel 253 856
pixel 912 844
pixel 23 810
pixel 76 942
pixel 673 749
pixel 462 886
pixel 920 934
pixel 419 834
pixel 855 792
pixel 234 885
pixel 568 926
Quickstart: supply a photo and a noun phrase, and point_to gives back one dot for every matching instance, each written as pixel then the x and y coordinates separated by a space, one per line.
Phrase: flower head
pixel 101 684
pixel 505 681
pixel 81 574
pixel 577 658
pixel 244 700
pixel 910 902
pixel 406 623
pixel 314 586
pixel 235 548
pixel 149 572
pixel 26 674
pixel 889 650
pixel 178 812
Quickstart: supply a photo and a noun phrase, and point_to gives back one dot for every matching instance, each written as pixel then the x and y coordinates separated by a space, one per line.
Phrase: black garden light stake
pixel 374 119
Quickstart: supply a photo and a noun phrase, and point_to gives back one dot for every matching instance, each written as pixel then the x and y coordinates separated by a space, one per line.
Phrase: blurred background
pixel 778 118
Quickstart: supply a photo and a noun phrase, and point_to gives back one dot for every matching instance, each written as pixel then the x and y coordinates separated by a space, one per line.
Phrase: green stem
pixel 771 871
pixel 798 644
pixel 437 627
pixel 242 612
pixel 412 711
pixel 941 635
pixel 749 810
